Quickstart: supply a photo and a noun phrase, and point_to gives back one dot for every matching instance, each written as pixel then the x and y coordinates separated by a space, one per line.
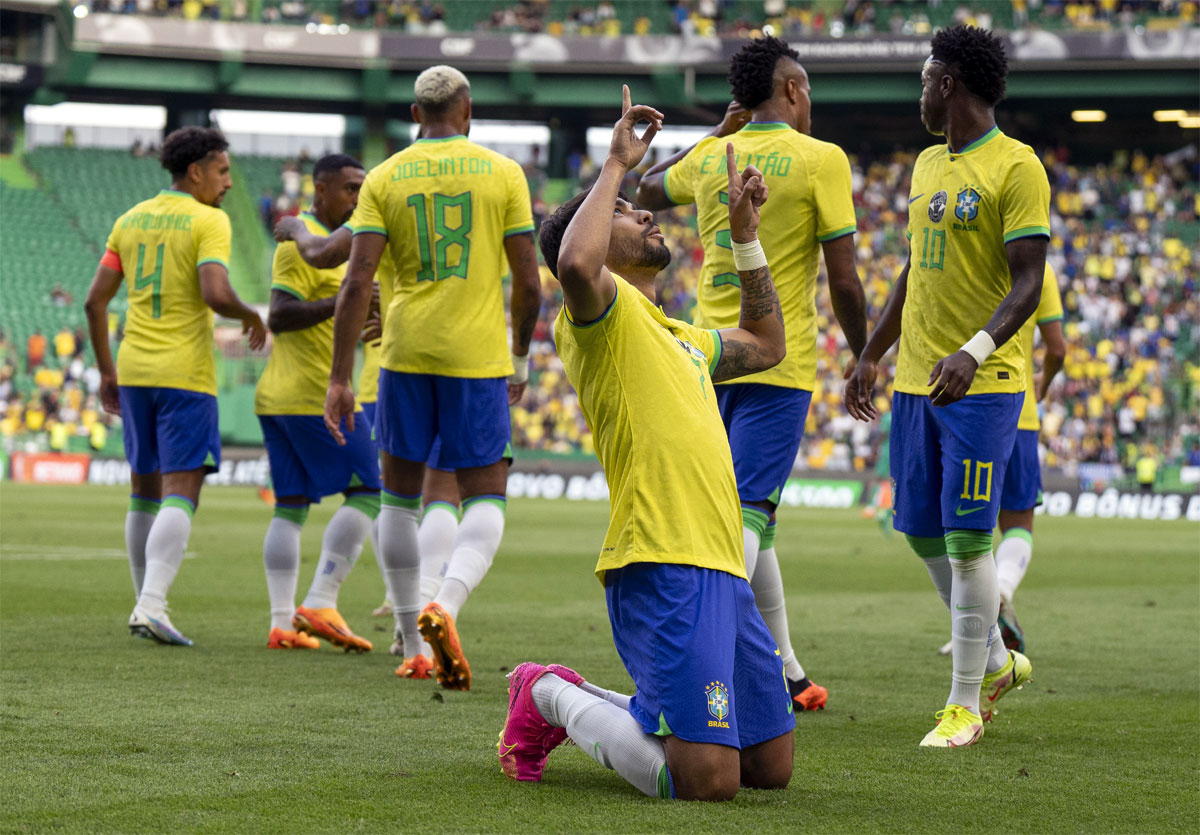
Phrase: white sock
pixel 975 600
pixel 402 566
pixel 165 547
pixel 610 696
pixel 997 653
pixel 606 733
pixel 767 584
pixel 340 546
pixel 475 546
pixel 942 576
pixel 435 539
pixel 378 554
pixel 137 529
pixel 281 559
pixel 750 541
pixel 1012 560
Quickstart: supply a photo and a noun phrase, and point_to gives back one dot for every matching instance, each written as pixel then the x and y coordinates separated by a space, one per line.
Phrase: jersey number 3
pixel 435 253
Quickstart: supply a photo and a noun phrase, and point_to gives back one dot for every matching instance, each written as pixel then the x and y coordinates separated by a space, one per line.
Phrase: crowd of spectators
pixel 729 18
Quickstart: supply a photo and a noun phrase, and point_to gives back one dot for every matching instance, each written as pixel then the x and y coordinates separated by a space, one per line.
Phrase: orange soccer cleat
pixel 328 624
pixel 437 628
pixel 416 667
pixel 291 639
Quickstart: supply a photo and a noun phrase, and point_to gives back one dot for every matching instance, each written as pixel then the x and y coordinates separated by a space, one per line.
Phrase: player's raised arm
pixel 350 315
pixel 321 251
pixel 758 342
pixel 952 376
pixel 859 394
pixel 652 190
pixel 588 287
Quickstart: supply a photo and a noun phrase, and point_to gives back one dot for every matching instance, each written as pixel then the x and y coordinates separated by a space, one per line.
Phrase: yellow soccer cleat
pixel 291 639
pixel 328 624
pixel 416 667
pixel 1011 676
pixel 957 727
pixel 437 628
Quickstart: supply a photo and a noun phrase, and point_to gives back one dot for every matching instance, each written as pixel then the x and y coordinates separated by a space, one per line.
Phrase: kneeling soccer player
pixel 712 710
pixel 306 463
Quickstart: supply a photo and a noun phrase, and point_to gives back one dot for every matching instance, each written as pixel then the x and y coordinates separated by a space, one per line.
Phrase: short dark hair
pixel 184 146
pixel 335 163
pixel 976 58
pixel 551 232
pixel 752 70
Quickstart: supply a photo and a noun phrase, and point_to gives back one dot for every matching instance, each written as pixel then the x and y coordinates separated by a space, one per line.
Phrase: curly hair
pixel 551 232
pixel 752 70
pixel 187 145
pixel 976 57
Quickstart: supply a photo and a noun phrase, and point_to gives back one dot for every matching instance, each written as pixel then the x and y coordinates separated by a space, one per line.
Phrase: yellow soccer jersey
pixel 962 210
pixel 645 390
pixel 297 374
pixel 1050 309
pixel 446 206
pixel 811 202
pixel 368 377
pixel 161 243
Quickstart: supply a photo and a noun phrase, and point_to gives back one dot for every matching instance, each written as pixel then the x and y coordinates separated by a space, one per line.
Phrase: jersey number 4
pixel 435 253
pixel 154 279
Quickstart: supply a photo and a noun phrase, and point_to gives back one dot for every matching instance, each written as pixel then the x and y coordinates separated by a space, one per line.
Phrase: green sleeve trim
pixel 1027 232
pixel 368 503
pixel 1018 533
pixel 370 230
pixel 520 230
pixel 291 292
pixel 719 349
pixel 137 504
pixel 220 261
pixel 1049 319
pixel 927 547
pixel 964 544
pixel 908 234
pixel 666 188
pixel 292 513
pixel 767 541
pixel 594 322
pixel 755 520
pixel 180 502
pixel 390 499
pixel 840 233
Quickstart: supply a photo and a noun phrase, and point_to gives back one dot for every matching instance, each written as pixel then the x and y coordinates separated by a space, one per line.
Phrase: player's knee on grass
pixel 768 765
pixel 703 771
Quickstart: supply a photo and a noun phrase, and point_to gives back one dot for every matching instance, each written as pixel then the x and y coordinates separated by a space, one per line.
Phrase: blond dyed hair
pixel 438 86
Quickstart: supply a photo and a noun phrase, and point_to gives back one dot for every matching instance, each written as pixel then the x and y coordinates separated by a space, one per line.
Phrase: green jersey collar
pixel 308 213
pixel 759 127
pixel 170 192
pixel 976 144
pixel 443 138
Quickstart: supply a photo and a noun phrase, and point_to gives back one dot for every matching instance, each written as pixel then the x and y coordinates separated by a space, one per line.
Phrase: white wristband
pixel 748 256
pixel 520 370
pixel 980 346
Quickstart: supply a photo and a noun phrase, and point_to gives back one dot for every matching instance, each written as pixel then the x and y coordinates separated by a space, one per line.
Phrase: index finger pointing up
pixel 730 162
pixel 625 102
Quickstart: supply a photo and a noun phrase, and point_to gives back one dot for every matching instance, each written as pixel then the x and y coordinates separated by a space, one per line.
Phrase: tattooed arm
pixel 350 314
pixel 758 342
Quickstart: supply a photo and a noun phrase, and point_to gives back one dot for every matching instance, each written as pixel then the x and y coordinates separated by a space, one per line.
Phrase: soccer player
pixel 764 414
pixel 449 211
pixel 174 251
pixel 711 710
pixel 439 491
pixel 978 223
pixel 306 463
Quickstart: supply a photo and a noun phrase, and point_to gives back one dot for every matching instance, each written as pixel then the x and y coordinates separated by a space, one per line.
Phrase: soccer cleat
pixel 957 727
pixel 416 667
pixel 158 629
pixel 807 695
pixel 1011 676
pixel 527 738
pixel 437 628
pixel 1010 629
pixel 566 674
pixel 383 609
pixel 946 648
pixel 328 624
pixel 291 639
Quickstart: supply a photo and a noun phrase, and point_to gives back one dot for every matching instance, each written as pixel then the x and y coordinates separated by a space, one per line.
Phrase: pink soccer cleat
pixel 527 738
pixel 566 674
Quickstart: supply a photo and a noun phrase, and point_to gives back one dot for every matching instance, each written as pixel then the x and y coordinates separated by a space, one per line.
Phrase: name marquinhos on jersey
pixel 150 221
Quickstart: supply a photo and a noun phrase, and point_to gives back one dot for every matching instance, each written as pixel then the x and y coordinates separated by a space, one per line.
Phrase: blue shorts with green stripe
pixel 169 430
pixel 765 425
pixel 704 663
pixel 306 460
pixel 435 454
pixel 1023 477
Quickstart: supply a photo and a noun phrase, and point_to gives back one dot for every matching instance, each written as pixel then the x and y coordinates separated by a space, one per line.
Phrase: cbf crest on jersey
pixel 937 207
pixel 966 204
pixel 718 704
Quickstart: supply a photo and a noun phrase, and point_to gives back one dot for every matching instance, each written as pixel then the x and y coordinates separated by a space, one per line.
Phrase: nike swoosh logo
pixel 506 749
pixel 966 608
pixel 958 511
pixel 915 199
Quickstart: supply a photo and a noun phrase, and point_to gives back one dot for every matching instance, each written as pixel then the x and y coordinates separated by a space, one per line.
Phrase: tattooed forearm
pixel 739 358
pixel 759 298
pixel 758 342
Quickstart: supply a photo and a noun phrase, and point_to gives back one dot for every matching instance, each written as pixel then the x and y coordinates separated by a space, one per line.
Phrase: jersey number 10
pixel 434 253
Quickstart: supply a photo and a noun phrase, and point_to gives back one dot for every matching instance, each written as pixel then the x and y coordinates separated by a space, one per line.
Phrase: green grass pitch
pixel 101 732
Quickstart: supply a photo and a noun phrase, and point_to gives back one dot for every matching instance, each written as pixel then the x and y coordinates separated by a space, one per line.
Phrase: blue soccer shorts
pixel 169 430
pixel 468 416
pixel 306 460
pixel 948 462
pixel 704 663
pixel 765 425
pixel 1023 476
pixel 435 454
